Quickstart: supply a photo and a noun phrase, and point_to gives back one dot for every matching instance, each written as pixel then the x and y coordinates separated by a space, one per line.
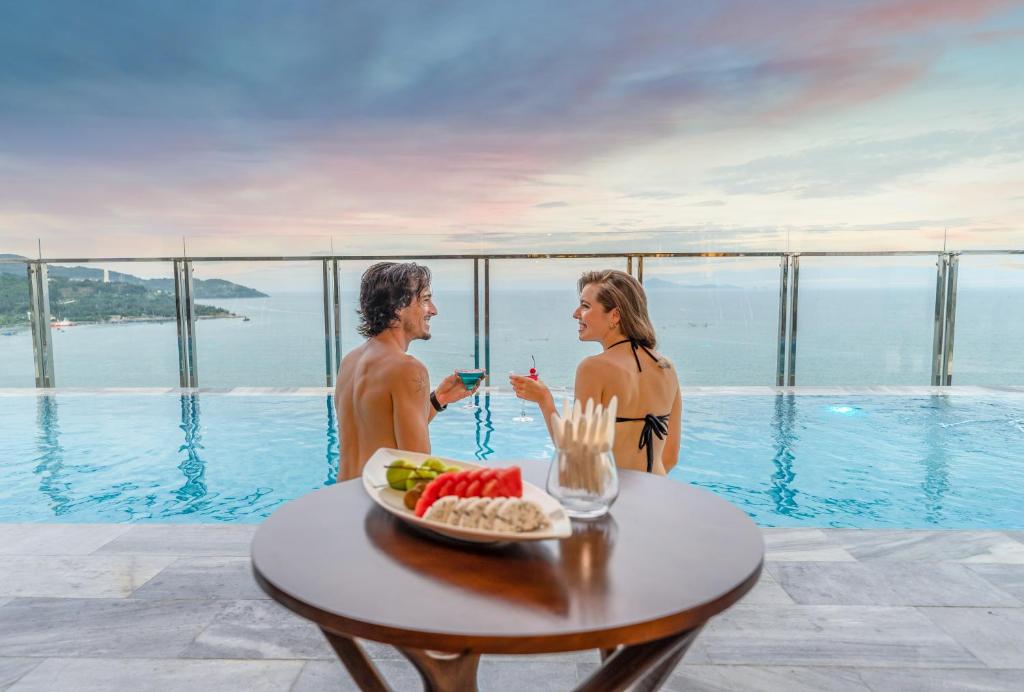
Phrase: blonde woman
pixel 613 312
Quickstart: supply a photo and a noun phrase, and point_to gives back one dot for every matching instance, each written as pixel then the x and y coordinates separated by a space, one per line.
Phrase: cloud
pixel 324 117
pixel 863 167
pixel 551 205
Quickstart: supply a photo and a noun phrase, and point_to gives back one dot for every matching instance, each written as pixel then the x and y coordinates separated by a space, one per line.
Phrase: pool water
pixel 789 460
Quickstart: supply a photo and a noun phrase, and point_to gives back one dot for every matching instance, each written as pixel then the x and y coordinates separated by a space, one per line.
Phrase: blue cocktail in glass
pixel 470 377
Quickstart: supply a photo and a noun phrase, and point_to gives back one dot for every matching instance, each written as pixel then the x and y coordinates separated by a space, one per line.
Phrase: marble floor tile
pixel 56 539
pixel 331 676
pixel 12 669
pixel 216 578
pixel 942 680
pixel 185 540
pixel 1009 578
pixel 77 576
pixel 786 545
pixel 1016 535
pixel 766 591
pixel 887 583
pixel 993 635
pixel 116 628
pixel 163 675
pixel 703 678
pixel 4 601
pixel 931 546
pixel 527 673
pixel 830 635
pixel 259 629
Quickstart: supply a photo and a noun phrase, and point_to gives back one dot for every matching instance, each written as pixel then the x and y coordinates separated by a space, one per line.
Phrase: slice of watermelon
pixel 460 488
pixel 511 481
pixel 433 491
pixel 491 489
pixel 474 489
pixel 446 485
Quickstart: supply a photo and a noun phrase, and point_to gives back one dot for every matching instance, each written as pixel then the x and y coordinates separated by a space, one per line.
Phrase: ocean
pixel 715 336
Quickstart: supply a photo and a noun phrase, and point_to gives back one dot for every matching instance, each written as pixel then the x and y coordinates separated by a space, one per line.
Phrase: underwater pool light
pixel 845 410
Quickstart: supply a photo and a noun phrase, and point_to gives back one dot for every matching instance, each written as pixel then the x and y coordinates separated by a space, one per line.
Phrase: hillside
pixel 93 301
pixel 201 288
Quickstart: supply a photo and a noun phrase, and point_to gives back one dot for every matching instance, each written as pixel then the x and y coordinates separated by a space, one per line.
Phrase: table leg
pixel 661 672
pixel 359 666
pixel 648 665
pixel 443 671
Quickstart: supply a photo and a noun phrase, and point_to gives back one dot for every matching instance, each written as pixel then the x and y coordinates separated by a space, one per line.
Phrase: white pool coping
pixel 965 390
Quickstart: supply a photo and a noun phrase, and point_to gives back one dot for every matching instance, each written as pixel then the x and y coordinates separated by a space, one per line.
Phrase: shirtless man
pixel 383 394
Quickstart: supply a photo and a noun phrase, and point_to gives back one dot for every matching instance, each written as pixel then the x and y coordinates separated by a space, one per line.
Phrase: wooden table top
pixel 667 558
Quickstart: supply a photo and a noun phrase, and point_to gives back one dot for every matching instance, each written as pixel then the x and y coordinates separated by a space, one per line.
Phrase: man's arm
pixel 410 392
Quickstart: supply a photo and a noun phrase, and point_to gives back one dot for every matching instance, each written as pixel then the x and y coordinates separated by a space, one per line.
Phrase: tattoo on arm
pixel 421 383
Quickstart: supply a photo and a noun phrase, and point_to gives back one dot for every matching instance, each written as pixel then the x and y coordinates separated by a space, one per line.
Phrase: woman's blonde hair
pixel 617 289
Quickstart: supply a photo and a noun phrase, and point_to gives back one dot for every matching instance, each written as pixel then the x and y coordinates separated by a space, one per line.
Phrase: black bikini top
pixel 653 425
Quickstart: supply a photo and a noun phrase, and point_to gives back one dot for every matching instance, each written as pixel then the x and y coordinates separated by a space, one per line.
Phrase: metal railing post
pixel 794 295
pixel 629 264
pixel 947 369
pixel 336 301
pixel 179 319
pixel 780 360
pixel 328 351
pixel 942 263
pixel 190 321
pixel 185 314
pixel 487 319
pixel 640 269
pixel 476 313
pixel 39 318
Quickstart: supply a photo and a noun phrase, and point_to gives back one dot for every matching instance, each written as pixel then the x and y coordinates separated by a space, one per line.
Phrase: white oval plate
pixel 376 484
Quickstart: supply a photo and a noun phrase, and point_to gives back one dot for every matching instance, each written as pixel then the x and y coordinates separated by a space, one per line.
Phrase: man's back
pixel 369 376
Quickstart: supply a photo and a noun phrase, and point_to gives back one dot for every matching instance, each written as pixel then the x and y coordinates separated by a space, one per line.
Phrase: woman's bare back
pixel 653 388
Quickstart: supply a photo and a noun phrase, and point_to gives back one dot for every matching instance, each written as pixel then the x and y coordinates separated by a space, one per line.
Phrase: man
pixel 383 394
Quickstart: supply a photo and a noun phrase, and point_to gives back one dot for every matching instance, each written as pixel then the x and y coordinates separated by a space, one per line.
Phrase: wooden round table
pixel 638 584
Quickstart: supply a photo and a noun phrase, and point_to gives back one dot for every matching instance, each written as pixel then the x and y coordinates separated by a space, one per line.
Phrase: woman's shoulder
pixel 663 361
pixel 592 364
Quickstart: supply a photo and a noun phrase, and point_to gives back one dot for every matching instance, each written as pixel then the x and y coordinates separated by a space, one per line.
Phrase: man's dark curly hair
pixel 386 288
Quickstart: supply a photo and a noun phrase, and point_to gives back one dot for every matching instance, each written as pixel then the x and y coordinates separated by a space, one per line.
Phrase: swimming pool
pixel 828 460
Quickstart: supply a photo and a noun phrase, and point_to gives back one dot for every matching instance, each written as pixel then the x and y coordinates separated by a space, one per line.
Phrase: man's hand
pixel 451 389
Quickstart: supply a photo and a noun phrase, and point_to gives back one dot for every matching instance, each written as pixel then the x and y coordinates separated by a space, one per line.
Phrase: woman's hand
pixel 532 390
pixel 451 389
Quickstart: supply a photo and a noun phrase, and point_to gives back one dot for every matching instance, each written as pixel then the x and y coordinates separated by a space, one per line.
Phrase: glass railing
pixel 742 318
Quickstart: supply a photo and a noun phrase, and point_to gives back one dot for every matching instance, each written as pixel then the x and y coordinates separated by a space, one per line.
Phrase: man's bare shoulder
pixel 406 372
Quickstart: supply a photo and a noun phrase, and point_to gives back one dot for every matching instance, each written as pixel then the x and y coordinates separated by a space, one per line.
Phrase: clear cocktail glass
pixel 470 377
pixel 522 417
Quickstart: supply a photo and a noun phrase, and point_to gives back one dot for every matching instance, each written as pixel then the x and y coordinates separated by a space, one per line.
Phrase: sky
pixel 256 128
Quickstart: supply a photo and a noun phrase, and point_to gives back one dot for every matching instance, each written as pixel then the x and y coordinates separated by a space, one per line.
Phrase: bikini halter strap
pixel 635 345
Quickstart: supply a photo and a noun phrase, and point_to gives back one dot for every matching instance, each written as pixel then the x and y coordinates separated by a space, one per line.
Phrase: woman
pixel 613 311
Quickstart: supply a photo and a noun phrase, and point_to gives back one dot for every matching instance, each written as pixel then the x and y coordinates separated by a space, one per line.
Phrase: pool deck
pixel 174 607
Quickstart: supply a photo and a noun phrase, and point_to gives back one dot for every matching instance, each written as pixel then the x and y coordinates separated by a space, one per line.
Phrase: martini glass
pixel 522 417
pixel 469 377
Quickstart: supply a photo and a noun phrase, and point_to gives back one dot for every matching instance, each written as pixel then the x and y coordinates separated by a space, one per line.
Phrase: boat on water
pixel 61 323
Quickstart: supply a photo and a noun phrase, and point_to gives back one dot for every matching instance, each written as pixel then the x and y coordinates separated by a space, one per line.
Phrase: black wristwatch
pixel 436 404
